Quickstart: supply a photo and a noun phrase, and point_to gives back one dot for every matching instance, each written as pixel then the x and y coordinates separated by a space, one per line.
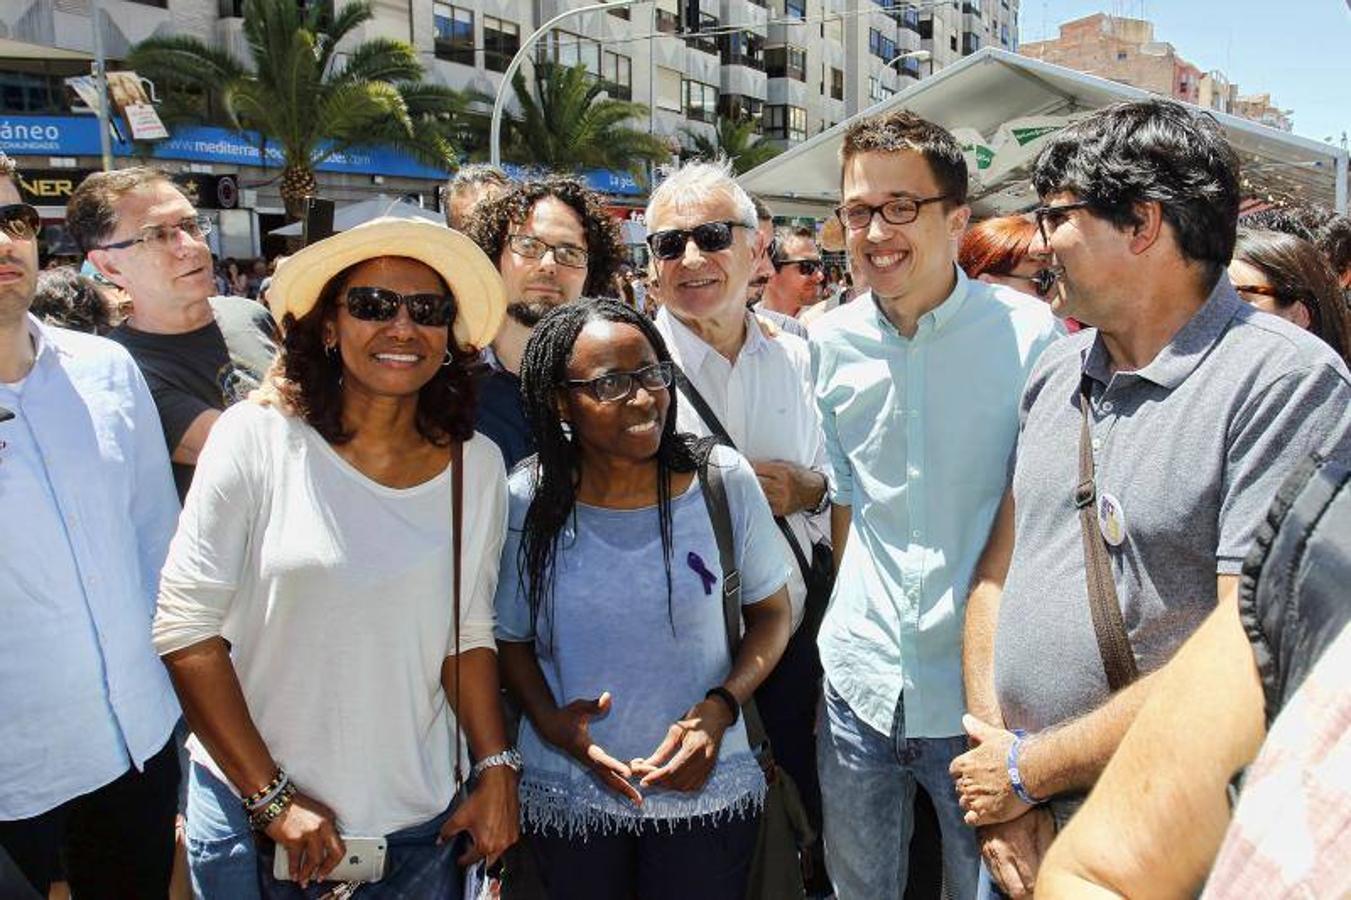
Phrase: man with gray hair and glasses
pixel 199 353
pixel 753 391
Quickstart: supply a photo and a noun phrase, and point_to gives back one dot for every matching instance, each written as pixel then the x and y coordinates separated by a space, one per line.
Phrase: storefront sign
pixel 49 187
pixel 209 191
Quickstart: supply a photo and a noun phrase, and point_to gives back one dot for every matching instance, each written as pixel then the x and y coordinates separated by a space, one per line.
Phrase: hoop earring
pixel 331 350
pixel 448 359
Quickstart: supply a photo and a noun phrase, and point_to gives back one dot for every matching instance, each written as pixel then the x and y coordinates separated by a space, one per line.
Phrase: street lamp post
pixel 917 55
pixel 500 100
pixel 101 85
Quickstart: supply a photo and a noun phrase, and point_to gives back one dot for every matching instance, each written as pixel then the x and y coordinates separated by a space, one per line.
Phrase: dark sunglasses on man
pixel 808 267
pixel 20 222
pixel 377 304
pixel 709 238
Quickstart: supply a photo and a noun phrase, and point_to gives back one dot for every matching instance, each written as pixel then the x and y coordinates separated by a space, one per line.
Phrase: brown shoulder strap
pixel 1113 642
pixel 457 540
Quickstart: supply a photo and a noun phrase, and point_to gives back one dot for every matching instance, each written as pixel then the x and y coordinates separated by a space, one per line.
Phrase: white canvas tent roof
pixel 354 214
pixel 991 87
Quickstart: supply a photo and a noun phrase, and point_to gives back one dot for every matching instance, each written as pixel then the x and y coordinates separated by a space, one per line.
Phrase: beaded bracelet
pixel 263 795
pixel 270 813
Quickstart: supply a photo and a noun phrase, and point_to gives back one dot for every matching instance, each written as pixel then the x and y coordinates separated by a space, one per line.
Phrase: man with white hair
pixel 756 391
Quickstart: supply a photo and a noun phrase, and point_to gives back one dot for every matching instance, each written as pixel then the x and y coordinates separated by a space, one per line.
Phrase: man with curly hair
pixel 552 242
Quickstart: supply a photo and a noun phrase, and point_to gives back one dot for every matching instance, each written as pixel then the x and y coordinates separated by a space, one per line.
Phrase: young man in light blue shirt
pixel 918 385
pixel 88 769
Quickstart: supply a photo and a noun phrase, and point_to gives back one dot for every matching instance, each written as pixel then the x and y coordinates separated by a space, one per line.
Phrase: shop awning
pixel 993 87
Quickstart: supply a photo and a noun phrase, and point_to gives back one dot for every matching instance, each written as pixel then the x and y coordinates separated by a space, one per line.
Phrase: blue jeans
pixel 868 791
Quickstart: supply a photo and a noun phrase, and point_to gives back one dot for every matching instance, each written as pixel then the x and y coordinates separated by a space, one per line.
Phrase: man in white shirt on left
pixel 88 769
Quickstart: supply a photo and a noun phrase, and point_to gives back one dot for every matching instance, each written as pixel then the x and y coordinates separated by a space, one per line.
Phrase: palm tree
pixel 737 141
pixel 299 93
pixel 566 125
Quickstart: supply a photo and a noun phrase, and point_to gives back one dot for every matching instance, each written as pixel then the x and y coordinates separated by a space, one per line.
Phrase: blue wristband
pixel 1015 777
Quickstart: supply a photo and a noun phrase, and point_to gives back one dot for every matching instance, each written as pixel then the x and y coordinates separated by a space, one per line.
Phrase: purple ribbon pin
pixel 696 562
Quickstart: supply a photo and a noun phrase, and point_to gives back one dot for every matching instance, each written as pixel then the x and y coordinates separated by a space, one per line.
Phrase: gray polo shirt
pixel 1194 447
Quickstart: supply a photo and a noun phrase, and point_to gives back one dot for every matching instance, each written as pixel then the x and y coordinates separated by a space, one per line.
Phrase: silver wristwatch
pixel 511 758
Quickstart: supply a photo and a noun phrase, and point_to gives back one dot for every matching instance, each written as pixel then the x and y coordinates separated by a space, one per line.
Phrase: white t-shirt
pixel 335 593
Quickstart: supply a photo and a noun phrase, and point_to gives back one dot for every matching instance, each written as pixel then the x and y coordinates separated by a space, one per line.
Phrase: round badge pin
pixel 1111 520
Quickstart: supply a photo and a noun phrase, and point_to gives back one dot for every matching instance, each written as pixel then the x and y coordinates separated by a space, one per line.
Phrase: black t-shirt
pixel 501 415
pixel 210 368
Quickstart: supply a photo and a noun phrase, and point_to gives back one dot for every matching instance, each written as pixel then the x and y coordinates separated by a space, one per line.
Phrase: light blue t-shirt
pixel 610 628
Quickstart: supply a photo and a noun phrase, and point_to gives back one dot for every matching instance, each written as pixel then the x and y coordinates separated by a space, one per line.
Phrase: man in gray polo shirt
pixel 1200 406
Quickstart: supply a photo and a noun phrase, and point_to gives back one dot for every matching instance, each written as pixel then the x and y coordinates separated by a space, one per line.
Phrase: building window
pixel 786 123
pixel 926 29
pixel 705 37
pixel 669 89
pixel 501 40
pixel 881 46
pixel 970 42
pixel 621 12
pixel 795 9
pixel 833 29
pixel 837 84
pixel 1121 55
pixel 667 21
pixel 740 108
pixel 30 92
pixel 568 50
pixel 970 9
pixel 701 101
pixel 618 76
pixel 786 62
pixel 952 42
pixel 743 48
pixel 454 33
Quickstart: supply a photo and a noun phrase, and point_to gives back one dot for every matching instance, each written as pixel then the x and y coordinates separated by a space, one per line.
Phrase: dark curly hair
pixel 557 465
pixel 1151 150
pixel 308 379
pixel 492 221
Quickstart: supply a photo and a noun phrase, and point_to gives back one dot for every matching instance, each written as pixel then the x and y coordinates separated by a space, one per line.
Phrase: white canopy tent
pixel 354 214
pixel 992 87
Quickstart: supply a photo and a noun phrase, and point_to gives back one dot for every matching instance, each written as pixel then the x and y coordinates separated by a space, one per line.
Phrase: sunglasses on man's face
pixel 20 222
pixel 808 267
pixel 709 238
pixel 376 304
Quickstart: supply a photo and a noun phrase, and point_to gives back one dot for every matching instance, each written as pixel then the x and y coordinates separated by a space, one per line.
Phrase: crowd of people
pixel 472 558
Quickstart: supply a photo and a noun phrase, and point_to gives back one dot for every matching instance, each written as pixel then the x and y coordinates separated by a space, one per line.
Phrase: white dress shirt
pixel 765 401
pixel 87 507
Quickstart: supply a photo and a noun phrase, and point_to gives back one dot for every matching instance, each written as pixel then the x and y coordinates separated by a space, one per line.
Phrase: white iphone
pixel 363 861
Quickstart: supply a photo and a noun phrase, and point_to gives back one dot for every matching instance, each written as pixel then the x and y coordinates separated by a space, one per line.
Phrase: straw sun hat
pixel 480 298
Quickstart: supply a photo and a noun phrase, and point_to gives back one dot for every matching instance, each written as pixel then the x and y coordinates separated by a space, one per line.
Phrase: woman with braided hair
pixel 638 778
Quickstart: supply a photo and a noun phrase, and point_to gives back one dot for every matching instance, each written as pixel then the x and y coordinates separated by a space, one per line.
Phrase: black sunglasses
pixel 709 238
pixel 614 386
pixel 377 304
pixel 20 222
pixel 808 267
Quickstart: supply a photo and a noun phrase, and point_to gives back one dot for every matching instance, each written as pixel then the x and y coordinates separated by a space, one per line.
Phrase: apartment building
pixel 1126 50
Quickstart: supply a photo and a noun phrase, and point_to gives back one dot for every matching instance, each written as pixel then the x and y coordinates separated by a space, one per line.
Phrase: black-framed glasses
pixel 709 237
pixel 532 247
pixel 19 221
pixel 1054 215
pixel 1041 280
pixel 808 267
pixel 615 386
pixel 162 237
pixel 377 304
pixel 898 211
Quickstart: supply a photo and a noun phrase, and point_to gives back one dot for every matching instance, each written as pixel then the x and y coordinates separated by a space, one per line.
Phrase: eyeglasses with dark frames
pixel 20 222
pixel 1055 214
pixel 162 237
pixel 377 304
pixel 899 211
pixel 709 237
pixel 615 386
pixel 531 247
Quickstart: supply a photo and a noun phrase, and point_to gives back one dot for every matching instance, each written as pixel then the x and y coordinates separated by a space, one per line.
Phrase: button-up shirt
pixel 920 432
pixel 764 401
pixel 88 510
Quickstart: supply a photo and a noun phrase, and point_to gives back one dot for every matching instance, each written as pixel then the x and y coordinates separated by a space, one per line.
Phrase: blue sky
pixel 1298 50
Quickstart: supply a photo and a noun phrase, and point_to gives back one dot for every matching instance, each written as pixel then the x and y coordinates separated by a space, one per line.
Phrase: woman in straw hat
pixel 307 608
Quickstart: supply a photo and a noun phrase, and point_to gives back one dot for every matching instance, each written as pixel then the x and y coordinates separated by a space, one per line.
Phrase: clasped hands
pixel 681 762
